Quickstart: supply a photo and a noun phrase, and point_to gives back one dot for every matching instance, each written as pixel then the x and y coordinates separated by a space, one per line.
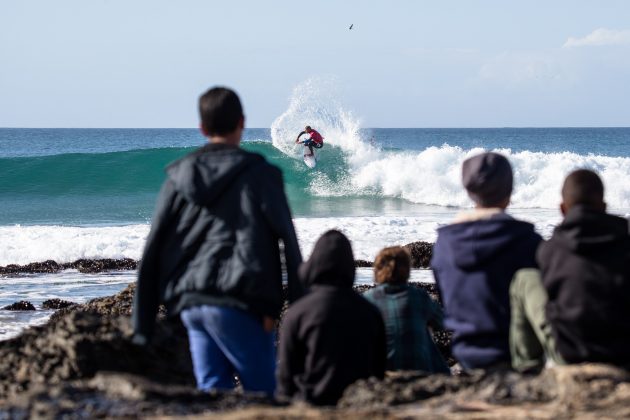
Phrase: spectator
pixel 331 337
pixel 213 254
pixel 580 310
pixel 474 260
pixel 407 312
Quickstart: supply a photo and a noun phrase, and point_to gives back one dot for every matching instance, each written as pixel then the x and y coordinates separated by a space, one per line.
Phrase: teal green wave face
pixel 121 187
pixel 137 171
pixel 300 180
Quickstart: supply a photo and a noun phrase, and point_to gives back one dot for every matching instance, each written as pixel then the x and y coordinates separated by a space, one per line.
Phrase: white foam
pixel 433 176
pixel 26 244
pixel 315 102
pixel 370 234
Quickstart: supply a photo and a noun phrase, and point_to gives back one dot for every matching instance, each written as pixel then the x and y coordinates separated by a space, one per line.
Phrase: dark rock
pixel 83 265
pixel 22 305
pixel 56 304
pixel 560 392
pixel 80 340
pixel 122 395
pixel 97 266
pixel 41 267
pixel 421 253
pixel 363 263
pixel 118 304
pixel 82 343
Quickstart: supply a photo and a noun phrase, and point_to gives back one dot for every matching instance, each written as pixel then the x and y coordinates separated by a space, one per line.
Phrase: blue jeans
pixel 225 341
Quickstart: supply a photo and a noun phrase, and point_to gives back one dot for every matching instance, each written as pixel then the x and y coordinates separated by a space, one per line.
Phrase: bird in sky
pixel 351 26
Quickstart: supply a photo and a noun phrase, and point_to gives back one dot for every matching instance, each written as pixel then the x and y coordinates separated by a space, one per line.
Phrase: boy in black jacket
pixel 585 269
pixel 213 253
pixel 331 337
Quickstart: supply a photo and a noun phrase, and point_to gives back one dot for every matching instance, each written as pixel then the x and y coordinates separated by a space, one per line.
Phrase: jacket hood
pixel 331 263
pixel 472 244
pixel 202 176
pixel 584 230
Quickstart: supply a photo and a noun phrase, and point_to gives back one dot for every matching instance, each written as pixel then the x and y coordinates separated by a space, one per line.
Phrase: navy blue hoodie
pixel 473 263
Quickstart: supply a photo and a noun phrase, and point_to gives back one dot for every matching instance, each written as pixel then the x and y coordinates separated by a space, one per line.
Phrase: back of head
pixel 392 265
pixel 488 179
pixel 331 262
pixel 583 187
pixel 220 111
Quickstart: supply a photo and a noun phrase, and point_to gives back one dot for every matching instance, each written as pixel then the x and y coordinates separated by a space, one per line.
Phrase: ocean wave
pixel 433 176
pixel 351 165
pixel 368 234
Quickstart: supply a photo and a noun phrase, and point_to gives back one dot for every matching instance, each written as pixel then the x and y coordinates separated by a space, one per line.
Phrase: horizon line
pixel 362 128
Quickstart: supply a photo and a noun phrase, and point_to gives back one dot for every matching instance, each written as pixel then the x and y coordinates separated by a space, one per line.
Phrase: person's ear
pixel 203 130
pixel 241 123
pixel 563 209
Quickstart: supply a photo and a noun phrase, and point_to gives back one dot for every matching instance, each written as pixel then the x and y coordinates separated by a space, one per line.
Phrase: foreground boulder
pixel 80 344
pixel 81 340
pixel 83 265
pixel 121 395
pixel 563 391
pixel 22 305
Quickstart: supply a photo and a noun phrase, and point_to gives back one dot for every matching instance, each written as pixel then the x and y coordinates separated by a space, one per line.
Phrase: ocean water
pixel 67 194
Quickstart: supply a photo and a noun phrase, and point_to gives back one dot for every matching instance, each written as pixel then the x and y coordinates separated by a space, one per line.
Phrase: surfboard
pixel 310 161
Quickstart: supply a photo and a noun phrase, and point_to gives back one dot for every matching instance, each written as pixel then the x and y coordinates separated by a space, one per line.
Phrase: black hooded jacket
pixel 214 238
pixel 585 268
pixel 331 337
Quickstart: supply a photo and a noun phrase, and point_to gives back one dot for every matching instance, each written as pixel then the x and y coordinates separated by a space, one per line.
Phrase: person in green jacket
pixel 408 312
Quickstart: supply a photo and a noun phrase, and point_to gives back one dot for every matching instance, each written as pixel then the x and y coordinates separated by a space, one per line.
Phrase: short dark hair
pixel 220 111
pixel 392 265
pixel 583 187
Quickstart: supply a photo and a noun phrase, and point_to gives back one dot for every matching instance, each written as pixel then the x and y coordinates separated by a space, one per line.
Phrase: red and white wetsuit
pixel 316 137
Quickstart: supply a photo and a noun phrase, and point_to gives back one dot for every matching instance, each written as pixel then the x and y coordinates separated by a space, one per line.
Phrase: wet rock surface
pixel 123 395
pixel 363 263
pixel 82 265
pixel 80 340
pixel 22 305
pixel 56 304
pixel 559 392
pixel 420 257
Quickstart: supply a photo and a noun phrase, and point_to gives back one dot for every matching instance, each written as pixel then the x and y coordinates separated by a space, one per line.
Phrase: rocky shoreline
pixel 81 364
pixel 420 257
pixel 82 265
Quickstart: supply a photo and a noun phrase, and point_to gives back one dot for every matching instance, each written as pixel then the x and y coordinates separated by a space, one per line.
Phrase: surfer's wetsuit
pixel 315 140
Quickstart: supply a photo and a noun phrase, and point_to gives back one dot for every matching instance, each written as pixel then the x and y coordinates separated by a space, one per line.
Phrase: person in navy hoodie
pixel 474 260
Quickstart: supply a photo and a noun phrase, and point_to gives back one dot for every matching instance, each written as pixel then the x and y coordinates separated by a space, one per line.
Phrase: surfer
pixel 315 139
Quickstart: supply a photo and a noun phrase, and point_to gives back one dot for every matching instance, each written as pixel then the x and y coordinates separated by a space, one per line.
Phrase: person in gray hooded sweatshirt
pixel 213 253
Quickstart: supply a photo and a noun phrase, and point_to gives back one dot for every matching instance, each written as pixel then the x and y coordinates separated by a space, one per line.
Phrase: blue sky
pixel 137 63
